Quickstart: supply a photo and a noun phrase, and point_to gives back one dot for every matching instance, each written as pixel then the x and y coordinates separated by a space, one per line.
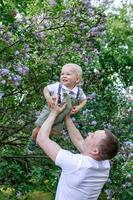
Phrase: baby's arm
pixel 78 107
pixel 50 99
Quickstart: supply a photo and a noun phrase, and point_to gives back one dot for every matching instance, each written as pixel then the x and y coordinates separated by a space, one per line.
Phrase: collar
pixel 75 89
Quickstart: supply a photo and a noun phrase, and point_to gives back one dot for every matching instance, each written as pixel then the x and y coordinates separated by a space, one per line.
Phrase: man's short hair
pixel 108 146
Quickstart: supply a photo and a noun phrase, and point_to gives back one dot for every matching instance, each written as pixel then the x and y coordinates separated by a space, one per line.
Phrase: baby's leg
pixel 35 132
pixel 57 129
pixel 54 132
pixel 32 140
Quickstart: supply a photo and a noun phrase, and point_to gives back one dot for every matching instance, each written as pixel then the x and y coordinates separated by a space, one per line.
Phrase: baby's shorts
pixel 42 117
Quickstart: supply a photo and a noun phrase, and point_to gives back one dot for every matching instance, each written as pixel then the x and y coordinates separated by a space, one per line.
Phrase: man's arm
pixel 82 103
pixel 74 134
pixel 78 107
pixel 50 147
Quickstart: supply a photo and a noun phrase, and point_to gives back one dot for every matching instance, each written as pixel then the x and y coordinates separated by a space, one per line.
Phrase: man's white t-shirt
pixel 82 177
pixel 53 89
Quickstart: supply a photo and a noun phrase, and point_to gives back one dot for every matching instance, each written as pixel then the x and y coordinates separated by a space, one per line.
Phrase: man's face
pixel 93 139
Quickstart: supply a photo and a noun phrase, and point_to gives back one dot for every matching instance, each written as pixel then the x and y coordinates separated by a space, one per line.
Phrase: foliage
pixel 35 41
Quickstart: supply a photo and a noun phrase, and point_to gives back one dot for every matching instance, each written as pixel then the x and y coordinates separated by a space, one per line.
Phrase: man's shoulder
pixel 67 154
pixel 67 160
pixel 63 152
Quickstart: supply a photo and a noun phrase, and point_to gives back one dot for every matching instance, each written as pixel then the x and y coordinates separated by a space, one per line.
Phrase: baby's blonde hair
pixel 76 68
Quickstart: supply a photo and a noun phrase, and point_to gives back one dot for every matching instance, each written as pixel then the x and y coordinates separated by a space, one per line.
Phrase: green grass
pixel 36 195
pixel 40 196
pixel 4 194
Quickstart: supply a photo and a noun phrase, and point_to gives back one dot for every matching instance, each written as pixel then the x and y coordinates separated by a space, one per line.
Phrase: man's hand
pixel 50 101
pixel 50 147
pixel 74 134
pixel 56 109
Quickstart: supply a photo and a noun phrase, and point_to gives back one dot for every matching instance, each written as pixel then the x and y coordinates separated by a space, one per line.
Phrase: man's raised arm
pixel 50 147
pixel 74 134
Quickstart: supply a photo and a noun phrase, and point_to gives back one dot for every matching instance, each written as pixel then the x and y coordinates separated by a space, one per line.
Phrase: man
pixel 83 175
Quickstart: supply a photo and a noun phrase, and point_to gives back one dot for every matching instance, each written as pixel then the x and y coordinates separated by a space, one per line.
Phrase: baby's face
pixel 69 77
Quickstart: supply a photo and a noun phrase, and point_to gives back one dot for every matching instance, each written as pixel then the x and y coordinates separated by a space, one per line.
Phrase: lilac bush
pixel 34 46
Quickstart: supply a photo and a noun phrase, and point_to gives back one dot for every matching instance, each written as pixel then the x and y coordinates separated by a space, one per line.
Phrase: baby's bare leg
pixel 32 141
pixel 54 132
pixel 35 132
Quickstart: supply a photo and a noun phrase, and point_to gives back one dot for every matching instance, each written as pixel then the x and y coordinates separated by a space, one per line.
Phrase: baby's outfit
pixel 65 95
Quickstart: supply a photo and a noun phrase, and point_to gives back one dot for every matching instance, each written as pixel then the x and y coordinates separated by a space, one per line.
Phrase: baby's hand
pixel 51 101
pixel 75 109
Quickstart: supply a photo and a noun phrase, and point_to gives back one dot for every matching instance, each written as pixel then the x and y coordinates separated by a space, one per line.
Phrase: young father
pixel 83 175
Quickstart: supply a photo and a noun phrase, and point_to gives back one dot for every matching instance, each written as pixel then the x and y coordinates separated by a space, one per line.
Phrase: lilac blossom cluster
pixel 125 157
pixel 97 31
pixel 1 94
pixel 91 96
pixel 11 73
pixel 89 7
pixel 8 38
pixel 21 69
pixel 8 75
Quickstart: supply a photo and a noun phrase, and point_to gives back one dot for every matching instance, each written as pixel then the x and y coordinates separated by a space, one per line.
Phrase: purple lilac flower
pixel 22 69
pixel 39 35
pixel 19 194
pixel 129 144
pixel 21 38
pixel 89 7
pixel 16 79
pixel 86 112
pixel 3 82
pixel 97 28
pixel 94 123
pixel 24 20
pixel 8 35
pixel 87 3
pixel 66 12
pixel 1 94
pixel 109 194
pixel 92 34
pixel 27 56
pixel 10 41
pixel 1 32
pixel 10 77
pixel 26 48
pixel 91 96
pixel 52 2
pixel 17 53
pixel 109 180
pixel 1 27
pixel 109 126
pixel 90 44
pixel 4 72
pixel 86 59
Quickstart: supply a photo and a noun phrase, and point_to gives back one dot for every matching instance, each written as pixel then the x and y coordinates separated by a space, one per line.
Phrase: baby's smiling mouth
pixel 65 80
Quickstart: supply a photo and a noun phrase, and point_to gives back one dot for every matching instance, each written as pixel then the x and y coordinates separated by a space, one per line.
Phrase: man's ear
pixel 95 152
